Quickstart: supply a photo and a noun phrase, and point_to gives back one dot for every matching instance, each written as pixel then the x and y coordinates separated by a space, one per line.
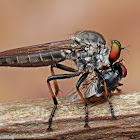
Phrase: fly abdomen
pixel 36 59
pixel 3 62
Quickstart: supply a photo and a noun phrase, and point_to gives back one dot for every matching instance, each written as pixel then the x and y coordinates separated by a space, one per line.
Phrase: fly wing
pixel 73 95
pixel 88 88
pixel 37 55
pixel 35 48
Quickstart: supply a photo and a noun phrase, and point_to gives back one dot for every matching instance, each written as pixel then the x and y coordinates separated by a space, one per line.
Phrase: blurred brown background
pixel 28 22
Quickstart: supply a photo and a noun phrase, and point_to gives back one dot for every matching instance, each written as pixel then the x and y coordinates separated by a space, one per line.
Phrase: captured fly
pixel 94 90
pixel 87 49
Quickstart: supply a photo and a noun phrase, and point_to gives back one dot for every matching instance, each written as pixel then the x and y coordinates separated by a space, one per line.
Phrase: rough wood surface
pixel 29 119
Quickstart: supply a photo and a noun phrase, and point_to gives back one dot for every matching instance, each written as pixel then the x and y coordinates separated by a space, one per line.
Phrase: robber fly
pixel 94 89
pixel 87 49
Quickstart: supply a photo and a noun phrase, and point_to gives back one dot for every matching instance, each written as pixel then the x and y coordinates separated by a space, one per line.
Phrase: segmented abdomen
pixel 35 59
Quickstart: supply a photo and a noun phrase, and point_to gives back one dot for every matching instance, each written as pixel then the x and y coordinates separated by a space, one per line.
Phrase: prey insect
pixel 87 49
pixel 100 87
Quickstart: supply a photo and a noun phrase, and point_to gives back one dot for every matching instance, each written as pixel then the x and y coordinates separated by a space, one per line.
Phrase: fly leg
pixel 80 81
pixel 66 68
pixel 54 77
pixel 55 82
pixel 118 90
pixel 108 99
pixel 106 92
pixel 62 67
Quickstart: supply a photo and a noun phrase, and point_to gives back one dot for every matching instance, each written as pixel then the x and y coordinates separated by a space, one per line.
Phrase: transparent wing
pixel 88 89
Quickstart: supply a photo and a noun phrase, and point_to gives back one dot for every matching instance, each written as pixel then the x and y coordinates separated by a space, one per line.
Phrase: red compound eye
pixel 124 70
pixel 115 51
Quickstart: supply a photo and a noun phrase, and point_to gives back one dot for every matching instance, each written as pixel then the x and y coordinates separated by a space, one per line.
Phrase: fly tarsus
pixel 51 116
pixel 86 117
pixel 112 110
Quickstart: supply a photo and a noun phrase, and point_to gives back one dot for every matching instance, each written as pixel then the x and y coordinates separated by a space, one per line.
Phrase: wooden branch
pixel 29 119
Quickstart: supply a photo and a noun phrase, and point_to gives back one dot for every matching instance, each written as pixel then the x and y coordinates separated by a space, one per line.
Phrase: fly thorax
pixel 80 64
pixel 87 38
pixel 92 51
pixel 105 55
pixel 81 60
pixel 90 59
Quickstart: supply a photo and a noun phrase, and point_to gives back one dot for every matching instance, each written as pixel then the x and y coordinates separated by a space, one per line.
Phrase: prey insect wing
pixel 88 88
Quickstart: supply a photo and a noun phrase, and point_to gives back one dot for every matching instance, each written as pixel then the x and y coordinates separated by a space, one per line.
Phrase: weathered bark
pixel 29 119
